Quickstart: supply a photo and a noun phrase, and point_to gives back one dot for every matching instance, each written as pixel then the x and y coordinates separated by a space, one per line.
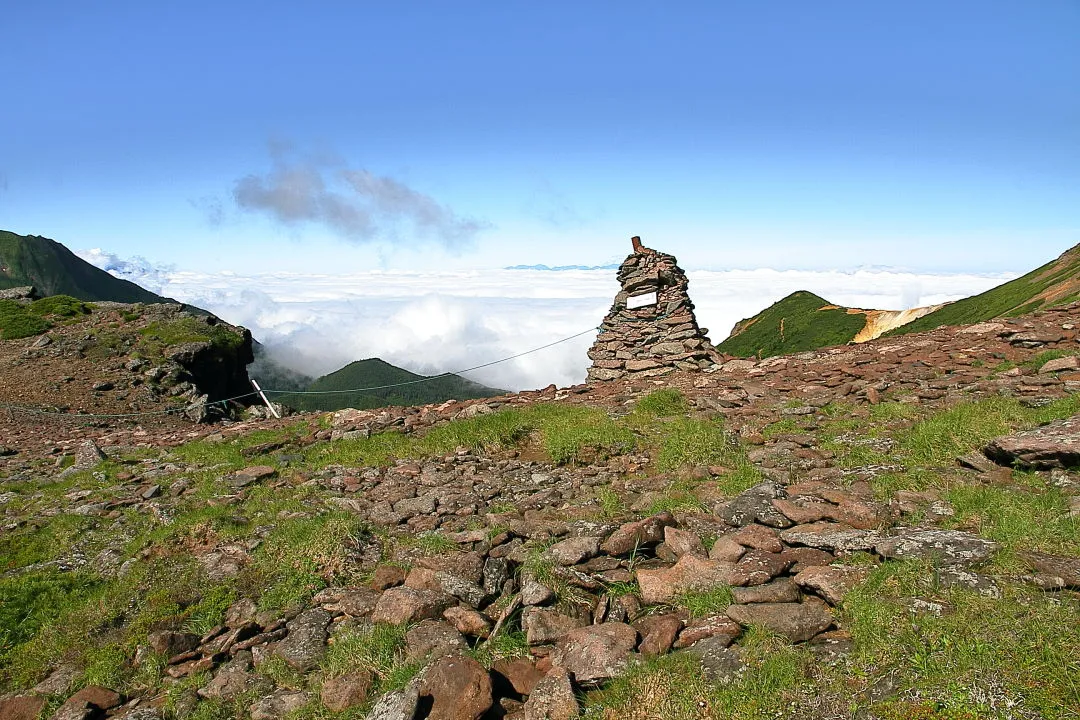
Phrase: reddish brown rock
pixel 636 534
pixel 596 653
pixel 459 688
pixel 720 627
pixel 1056 445
pixel 386 577
pixel 658 633
pixel 347 691
pixel 690 574
pixel 726 550
pixel 832 582
pixel 758 567
pixel 21 707
pixel 468 622
pixel 758 537
pixel 553 698
pixel 543 626
pixel 404 604
pixel 804 557
pixel 521 673
pixel 683 542
pixel 781 590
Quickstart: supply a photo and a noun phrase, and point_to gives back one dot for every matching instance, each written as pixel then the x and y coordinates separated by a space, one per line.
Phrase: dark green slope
pixel 373 373
pixel 1055 283
pixel 54 270
pixel 791 325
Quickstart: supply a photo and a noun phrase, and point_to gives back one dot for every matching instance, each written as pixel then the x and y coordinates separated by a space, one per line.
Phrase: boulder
pixel 798 622
pixel 755 505
pixel 690 574
pixel 949 547
pixel 832 582
pixel 596 653
pixel 553 698
pixel 305 645
pixel 278 705
pixel 346 691
pixel 459 688
pixel 1055 445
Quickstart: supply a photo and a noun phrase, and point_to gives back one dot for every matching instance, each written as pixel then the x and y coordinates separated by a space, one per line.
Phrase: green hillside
pixel 794 324
pixel 1056 283
pixel 54 270
pixel 374 372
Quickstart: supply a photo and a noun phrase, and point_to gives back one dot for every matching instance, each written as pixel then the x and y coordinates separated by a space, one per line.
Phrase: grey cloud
pixel 354 203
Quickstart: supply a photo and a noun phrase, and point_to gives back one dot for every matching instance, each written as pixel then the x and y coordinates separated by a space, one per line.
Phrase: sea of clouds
pixel 434 322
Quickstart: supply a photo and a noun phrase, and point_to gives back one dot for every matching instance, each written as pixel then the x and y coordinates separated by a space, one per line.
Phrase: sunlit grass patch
pixel 303 555
pixel 1018 518
pixel 379 649
pixel 704 604
pixel 1025 640
pixel 666 402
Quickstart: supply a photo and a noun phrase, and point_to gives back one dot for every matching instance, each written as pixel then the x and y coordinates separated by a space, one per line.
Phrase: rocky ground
pixel 888 530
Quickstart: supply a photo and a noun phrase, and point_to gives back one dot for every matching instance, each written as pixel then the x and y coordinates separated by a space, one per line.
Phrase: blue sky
pixel 348 136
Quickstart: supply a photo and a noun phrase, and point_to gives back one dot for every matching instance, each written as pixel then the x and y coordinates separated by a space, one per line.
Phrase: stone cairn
pixel 651 329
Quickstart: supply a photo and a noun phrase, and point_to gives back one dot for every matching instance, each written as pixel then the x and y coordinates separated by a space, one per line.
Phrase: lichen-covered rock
pixel 949 547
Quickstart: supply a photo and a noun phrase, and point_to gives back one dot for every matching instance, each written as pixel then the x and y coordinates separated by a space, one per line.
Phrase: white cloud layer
pixel 433 322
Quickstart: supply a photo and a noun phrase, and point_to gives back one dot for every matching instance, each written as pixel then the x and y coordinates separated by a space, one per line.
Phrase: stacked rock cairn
pixel 658 332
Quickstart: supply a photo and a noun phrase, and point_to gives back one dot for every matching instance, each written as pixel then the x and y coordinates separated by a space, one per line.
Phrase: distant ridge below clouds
pixel 435 322
pixel 559 268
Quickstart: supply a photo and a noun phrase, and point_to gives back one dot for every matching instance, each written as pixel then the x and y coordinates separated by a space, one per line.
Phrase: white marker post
pixel 263 396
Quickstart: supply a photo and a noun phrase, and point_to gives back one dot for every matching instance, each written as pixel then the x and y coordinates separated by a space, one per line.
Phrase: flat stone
pixel 596 653
pixel 755 505
pixel 690 574
pixel 804 557
pixel 404 604
pixel 249 475
pixel 721 627
pixel 798 622
pixel 832 582
pixel 758 567
pixel 803 510
pixel 574 550
pixel 719 663
pixel 831 536
pixel 726 550
pixel 1055 445
pixel 278 705
pixel 1060 567
pixel 1063 364
pixel 543 626
pixel 949 547
pixel 758 537
pixel 781 590
pixel 683 542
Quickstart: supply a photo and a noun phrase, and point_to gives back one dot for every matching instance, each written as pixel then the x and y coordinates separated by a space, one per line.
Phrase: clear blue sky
pixel 350 135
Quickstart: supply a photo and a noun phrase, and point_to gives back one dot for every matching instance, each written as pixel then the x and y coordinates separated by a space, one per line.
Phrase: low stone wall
pixel 651 329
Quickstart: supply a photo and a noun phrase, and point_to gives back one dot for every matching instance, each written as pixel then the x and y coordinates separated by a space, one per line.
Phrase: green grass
pixel 705 604
pixel 793 324
pixel 940 438
pixel 1025 518
pixel 665 402
pixel 566 433
pixel 303 555
pixel 157 337
pixel 1025 643
pixel 1007 300
pixel 673 687
pixel 379 649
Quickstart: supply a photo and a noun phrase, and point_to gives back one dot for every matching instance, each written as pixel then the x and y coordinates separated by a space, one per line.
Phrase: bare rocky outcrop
pixel 651 329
